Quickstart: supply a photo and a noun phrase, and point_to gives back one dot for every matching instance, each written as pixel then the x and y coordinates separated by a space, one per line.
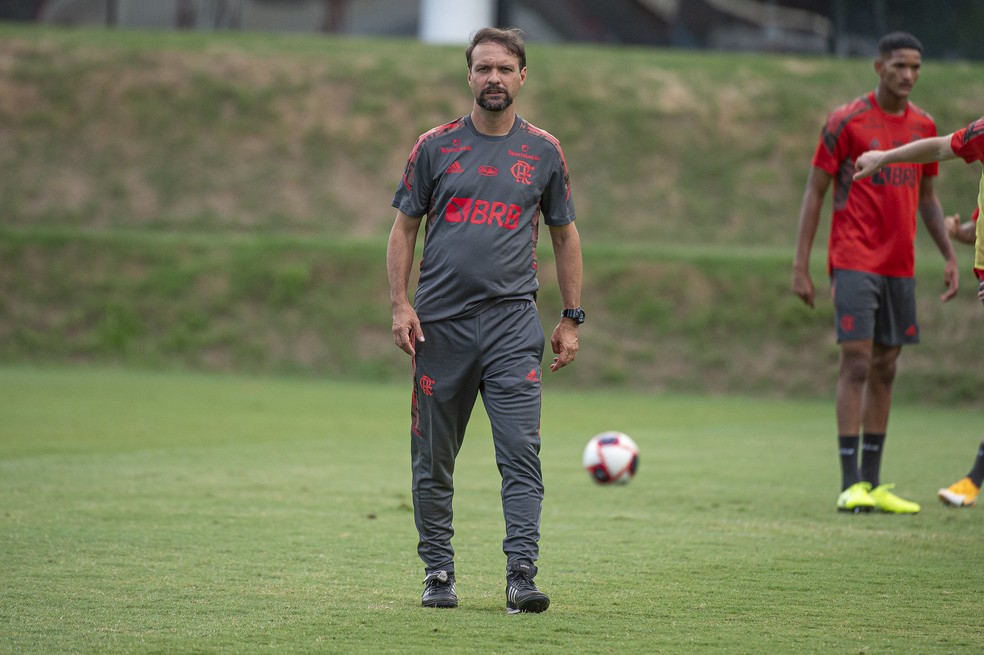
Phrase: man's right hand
pixel 803 286
pixel 406 328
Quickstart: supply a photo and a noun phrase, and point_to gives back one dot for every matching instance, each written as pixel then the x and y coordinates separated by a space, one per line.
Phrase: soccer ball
pixel 611 458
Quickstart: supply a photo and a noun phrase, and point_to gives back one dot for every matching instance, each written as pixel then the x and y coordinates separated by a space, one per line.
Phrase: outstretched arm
pixel 921 151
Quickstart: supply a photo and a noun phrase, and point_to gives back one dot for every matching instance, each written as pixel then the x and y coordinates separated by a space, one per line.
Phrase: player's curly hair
pixel 896 40
pixel 509 38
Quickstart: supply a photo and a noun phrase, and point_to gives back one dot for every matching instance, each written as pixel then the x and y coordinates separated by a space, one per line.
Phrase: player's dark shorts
pixel 870 306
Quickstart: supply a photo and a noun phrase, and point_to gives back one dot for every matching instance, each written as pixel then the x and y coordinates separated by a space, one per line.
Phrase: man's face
pixel 495 76
pixel 899 71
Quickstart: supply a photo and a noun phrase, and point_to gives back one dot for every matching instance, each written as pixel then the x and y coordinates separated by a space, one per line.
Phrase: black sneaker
pixel 439 590
pixel 522 595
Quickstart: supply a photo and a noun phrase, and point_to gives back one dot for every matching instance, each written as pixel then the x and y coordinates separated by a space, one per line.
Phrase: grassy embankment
pixel 221 202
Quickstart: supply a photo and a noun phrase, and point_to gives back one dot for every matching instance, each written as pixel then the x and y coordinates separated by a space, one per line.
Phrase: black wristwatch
pixel 576 315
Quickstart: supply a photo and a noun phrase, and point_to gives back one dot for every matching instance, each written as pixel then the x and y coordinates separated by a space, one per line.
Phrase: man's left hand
pixel 564 344
pixel 952 280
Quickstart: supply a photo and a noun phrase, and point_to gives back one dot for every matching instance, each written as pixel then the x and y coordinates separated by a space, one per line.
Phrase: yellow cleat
pixel 856 498
pixel 886 501
pixel 962 493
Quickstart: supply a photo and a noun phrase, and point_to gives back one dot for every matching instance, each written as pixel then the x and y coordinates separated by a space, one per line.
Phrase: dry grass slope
pixel 186 200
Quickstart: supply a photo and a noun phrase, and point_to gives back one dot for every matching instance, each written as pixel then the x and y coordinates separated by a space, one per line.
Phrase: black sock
pixel 976 474
pixel 849 459
pixel 871 455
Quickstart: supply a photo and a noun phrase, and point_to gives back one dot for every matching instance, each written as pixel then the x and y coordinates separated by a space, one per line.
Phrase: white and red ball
pixel 611 458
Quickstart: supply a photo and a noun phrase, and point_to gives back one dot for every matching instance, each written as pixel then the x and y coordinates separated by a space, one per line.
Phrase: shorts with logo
pixel 877 307
pixel 497 353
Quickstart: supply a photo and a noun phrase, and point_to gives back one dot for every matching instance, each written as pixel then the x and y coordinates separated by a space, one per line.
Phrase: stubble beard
pixel 488 105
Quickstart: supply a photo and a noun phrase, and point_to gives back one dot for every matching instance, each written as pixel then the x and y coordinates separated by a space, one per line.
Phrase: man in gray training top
pixel 482 181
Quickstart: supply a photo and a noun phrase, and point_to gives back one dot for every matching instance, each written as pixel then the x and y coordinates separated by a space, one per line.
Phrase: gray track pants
pixel 497 353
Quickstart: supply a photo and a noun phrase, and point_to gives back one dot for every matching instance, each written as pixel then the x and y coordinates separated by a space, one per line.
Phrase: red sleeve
pixel 834 147
pixel 968 142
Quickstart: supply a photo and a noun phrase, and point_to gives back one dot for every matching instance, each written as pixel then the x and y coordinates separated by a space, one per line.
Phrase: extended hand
pixel 867 164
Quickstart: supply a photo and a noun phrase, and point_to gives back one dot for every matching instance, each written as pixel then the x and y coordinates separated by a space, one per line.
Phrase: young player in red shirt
pixel 968 144
pixel 871 261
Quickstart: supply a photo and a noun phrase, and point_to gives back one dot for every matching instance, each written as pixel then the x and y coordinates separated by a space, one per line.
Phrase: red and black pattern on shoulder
pixel 427 136
pixel 533 130
pixel 841 117
pixel 536 131
pixel 973 130
pixel 922 113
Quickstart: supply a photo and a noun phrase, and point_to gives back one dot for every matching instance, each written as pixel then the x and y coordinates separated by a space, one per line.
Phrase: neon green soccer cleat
pixel 856 498
pixel 886 501
pixel 962 493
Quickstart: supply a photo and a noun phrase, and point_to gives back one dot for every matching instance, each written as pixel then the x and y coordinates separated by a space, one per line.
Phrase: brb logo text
pixel 483 212
pixel 897 176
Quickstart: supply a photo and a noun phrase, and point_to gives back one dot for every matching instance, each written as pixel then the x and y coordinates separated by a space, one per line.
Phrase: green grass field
pixel 180 513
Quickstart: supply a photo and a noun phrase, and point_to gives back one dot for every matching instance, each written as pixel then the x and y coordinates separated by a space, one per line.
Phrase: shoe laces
pixel 439 579
pixel 521 581
pixel 859 488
